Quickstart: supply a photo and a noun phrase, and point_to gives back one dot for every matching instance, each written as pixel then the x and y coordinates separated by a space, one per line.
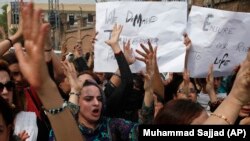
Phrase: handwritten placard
pixel 219 37
pixel 163 23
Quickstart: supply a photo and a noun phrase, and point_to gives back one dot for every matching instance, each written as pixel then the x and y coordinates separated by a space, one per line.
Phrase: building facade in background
pixel 71 23
pixel 75 23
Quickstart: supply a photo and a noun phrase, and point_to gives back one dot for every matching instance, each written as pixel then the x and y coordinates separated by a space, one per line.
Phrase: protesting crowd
pixel 46 97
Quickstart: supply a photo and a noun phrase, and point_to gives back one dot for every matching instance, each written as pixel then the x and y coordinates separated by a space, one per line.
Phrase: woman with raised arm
pixel 126 98
pixel 158 84
pixel 149 58
pixel 229 109
pixel 94 125
pixel 215 101
pixel 34 69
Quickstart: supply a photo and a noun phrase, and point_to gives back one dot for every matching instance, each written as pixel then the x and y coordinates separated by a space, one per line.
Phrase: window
pixel 71 19
pixel 90 18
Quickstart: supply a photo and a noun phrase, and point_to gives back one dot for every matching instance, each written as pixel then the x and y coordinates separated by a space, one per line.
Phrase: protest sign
pixel 163 23
pixel 218 37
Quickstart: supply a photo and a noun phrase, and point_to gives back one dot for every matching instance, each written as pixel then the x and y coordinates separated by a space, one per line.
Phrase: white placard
pixel 161 22
pixel 219 37
pixel 26 121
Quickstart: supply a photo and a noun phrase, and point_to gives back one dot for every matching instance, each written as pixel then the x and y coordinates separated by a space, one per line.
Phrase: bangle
pixel 73 93
pixel 48 50
pixel 54 111
pixel 221 117
pixel 11 43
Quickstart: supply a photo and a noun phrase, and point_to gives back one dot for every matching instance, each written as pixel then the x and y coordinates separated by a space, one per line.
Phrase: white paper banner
pixel 161 22
pixel 26 121
pixel 219 37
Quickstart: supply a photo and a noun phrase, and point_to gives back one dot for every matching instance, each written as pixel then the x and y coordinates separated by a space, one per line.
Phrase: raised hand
pixel 70 72
pixel 75 86
pixel 157 85
pixel 210 80
pixel 148 76
pixel 31 61
pixel 128 53
pixel 241 87
pixel 34 69
pixel 114 40
pixel 238 96
pixel 149 59
pixel 147 52
pixel 210 85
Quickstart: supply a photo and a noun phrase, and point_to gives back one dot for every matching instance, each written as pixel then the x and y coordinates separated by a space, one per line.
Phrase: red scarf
pixel 33 102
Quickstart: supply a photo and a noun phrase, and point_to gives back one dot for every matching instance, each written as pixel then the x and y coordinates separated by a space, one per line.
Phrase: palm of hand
pixel 33 63
pixel 117 29
pixel 114 39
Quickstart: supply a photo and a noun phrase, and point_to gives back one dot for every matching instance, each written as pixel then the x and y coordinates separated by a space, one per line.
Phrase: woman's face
pixel 6 89
pixel 17 75
pixel 4 130
pixel 90 102
pixel 191 92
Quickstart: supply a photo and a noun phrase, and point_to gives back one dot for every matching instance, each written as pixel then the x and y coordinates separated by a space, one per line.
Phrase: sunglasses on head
pixel 8 85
